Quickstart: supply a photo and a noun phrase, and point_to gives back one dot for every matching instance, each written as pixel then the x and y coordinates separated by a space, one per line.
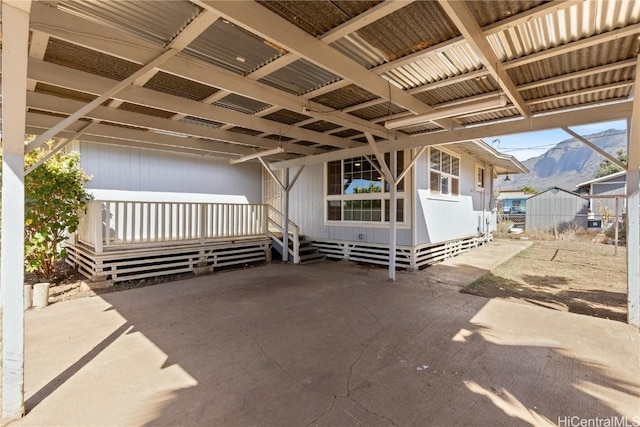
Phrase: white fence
pixel 110 224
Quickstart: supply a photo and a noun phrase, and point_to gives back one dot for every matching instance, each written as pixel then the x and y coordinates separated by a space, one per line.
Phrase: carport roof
pixel 317 77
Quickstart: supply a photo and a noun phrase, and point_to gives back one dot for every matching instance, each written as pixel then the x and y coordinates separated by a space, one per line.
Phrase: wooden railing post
pixel 296 244
pixel 203 222
pixel 96 222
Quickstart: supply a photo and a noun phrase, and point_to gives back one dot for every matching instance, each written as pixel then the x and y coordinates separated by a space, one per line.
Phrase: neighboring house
pixel 443 202
pixel 511 201
pixel 556 210
pixel 603 192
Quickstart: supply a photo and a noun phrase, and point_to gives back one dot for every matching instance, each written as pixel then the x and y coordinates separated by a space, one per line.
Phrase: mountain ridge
pixel 568 163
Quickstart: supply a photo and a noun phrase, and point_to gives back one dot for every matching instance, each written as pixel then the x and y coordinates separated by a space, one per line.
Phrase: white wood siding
pixel 442 219
pixel 307 210
pixel 611 187
pixel 135 169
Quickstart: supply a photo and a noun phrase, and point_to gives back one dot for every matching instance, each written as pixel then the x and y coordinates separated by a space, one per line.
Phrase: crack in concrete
pixel 367 343
pixel 326 411
pixel 255 339
pixel 375 414
pixel 335 397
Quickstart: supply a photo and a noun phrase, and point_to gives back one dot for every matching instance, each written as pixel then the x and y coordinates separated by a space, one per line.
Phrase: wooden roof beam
pixel 462 17
pixel 575 117
pixel 257 19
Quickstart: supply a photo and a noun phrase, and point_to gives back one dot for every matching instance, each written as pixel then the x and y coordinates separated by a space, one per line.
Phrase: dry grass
pixel 574 274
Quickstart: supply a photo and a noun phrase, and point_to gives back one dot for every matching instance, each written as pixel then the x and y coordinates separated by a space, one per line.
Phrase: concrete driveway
pixel 326 344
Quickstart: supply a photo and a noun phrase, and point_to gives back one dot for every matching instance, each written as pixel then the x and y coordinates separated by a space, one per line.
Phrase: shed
pixel 604 192
pixel 556 209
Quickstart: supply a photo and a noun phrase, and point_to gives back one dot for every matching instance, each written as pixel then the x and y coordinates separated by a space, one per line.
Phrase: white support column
pixel 393 215
pixel 633 207
pixel 285 214
pixel 15 48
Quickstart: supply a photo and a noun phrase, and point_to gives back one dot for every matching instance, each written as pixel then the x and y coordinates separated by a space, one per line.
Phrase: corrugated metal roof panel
pixel 279 138
pixel 605 53
pixel 63 92
pixel 201 122
pixel 232 48
pixel 159 20
pixel 299 77
pixel 583 99
pixel 135 108
pixel 488 12
pixel 347 133
pixel 83 59
pixel 318 17
pixel 422 128
pixel 245 131
pixel 461 90
pixel 345 97
pixel 591 81
pixel 487 116
pixel 178 86
pixel 240 103
pixel 412 28
pixel 579 21
pixel 454 61
pixel 321 126
pixel 358 49
pixel 286 116
pixel 377 111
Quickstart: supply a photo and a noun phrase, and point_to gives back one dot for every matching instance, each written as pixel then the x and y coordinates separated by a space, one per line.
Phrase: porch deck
pixel 126 240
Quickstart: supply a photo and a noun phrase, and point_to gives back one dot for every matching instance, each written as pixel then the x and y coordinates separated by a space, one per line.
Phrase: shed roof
pixel 602 179
pixel 317 77
pixel 556 190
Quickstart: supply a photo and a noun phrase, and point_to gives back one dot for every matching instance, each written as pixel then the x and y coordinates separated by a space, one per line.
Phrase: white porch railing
pixel 108 224
pixel 276 232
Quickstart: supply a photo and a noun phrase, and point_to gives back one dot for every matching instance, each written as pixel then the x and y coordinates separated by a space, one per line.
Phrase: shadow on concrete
pixel 329 344
pixel 72 370
pixel 547 291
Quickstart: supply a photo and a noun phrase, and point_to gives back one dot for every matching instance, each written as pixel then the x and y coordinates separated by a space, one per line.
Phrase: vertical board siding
pixel 136 169
pixel 439 220
pixel 611 187
pixel 307 210
pixel 556 209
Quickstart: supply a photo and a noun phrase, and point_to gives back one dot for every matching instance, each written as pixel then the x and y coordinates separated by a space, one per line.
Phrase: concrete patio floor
pixel 327 344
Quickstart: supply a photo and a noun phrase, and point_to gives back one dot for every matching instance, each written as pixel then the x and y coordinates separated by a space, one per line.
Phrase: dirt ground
pixel 575 274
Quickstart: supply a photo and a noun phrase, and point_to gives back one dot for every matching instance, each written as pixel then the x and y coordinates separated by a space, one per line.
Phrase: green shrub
pixel 54 198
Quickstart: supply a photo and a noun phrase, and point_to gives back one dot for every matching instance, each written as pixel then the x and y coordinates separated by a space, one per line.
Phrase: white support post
pixel 285 214
pixel 15 50
pixel 615 221
pixel 633 207
pixel 393 214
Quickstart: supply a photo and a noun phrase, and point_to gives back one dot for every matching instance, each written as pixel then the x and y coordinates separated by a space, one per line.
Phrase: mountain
pixel 567 164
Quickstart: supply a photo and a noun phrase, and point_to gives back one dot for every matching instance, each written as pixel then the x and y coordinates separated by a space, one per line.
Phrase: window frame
pixel 480 185
pixel 384 196
pixel 453 181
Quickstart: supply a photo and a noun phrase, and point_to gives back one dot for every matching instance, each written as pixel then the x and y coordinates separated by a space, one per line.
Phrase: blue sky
pixel 526 145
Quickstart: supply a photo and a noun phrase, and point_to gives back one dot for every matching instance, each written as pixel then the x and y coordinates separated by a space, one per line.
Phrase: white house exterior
pixel 444 204
pixel 445 201
pixel 130 169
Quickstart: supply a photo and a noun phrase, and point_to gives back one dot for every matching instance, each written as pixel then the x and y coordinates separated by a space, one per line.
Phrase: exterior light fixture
pixel 507 178
pixel 458 110
pixel 257 155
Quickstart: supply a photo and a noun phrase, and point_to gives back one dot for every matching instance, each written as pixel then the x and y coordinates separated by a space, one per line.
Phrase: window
pixel 357 192
pixel 479 177
pixel 444 173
